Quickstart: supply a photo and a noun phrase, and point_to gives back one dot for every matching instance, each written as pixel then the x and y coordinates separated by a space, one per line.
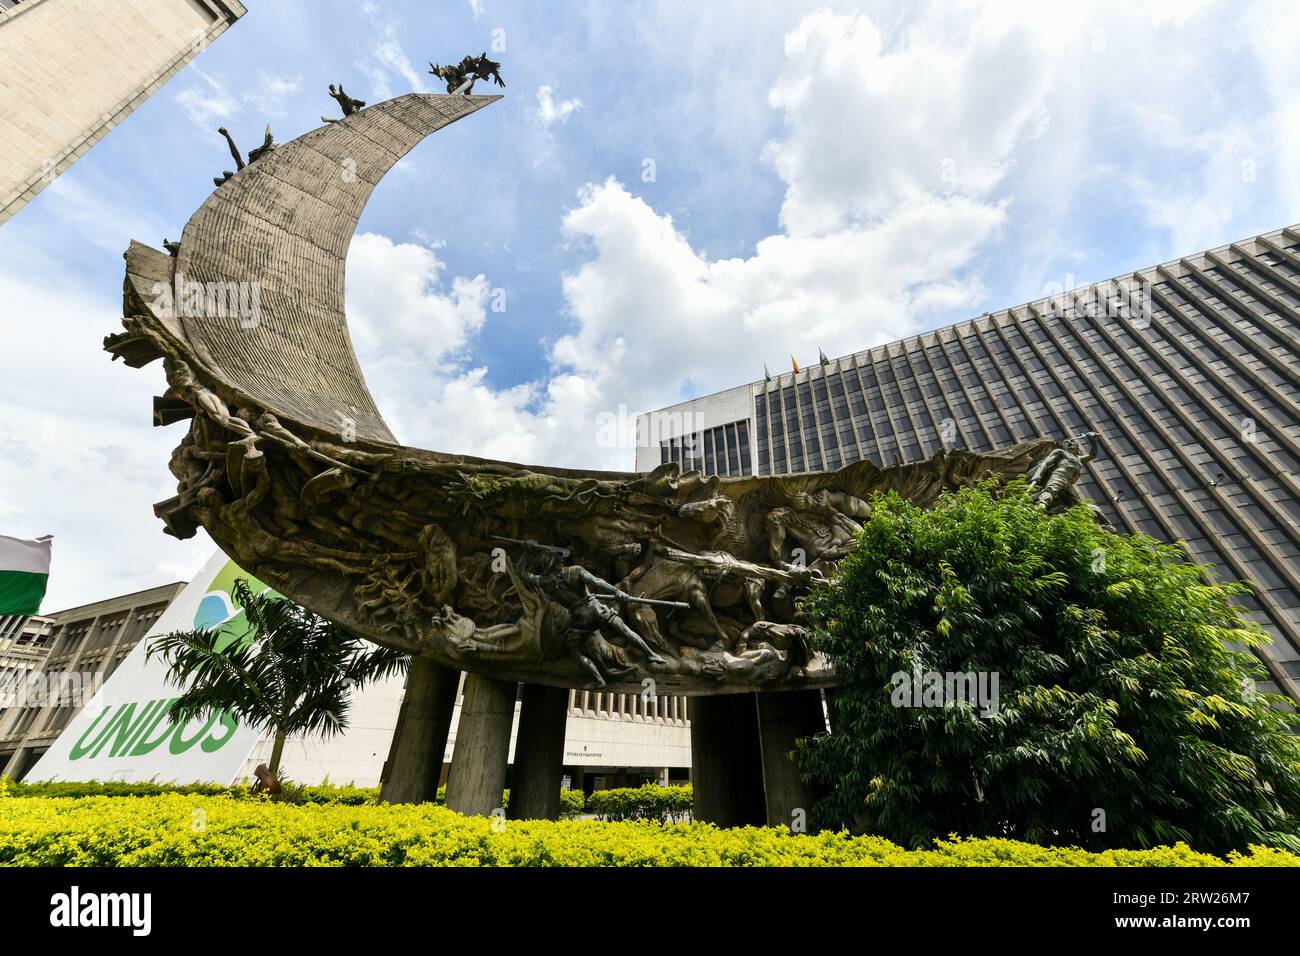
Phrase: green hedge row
pixel 207 830
pixel 571 801
pixel 318 793
pixel 649 802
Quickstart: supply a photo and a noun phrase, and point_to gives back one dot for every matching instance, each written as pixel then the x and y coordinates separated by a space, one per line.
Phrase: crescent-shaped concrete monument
pixel 578 579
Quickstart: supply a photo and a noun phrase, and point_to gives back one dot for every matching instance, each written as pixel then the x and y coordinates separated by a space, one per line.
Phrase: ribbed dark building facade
pixel 1189 371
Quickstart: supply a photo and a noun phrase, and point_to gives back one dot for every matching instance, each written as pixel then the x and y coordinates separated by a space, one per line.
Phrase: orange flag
pixel 795 364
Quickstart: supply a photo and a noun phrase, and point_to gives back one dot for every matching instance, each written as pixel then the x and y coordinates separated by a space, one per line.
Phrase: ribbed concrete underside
pixel 291 216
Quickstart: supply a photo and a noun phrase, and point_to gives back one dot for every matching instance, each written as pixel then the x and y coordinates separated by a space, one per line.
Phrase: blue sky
pixel 824 175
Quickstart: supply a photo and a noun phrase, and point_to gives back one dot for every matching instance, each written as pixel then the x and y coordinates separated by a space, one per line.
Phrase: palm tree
pixel 291 672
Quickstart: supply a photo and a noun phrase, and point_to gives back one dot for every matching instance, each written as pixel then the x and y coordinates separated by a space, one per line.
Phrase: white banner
pixel 124 733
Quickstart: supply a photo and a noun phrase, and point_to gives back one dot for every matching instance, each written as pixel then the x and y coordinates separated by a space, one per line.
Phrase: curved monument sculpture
pixel 544 575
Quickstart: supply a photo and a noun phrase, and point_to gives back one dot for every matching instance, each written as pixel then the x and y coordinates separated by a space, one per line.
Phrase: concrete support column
pixel 828 694
pixel 783 718
pixel 726 768
pixel 420 739
pixel 539 754
pixel 482 752
pixel 15 764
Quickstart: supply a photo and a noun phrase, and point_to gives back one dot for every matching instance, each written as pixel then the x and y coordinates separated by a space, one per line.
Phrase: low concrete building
pixel 85 646
pixel 611 740
pixel 24 646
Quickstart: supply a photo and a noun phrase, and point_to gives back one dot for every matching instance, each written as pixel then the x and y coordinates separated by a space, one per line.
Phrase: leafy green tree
pixel 291 673
pixel 1126 713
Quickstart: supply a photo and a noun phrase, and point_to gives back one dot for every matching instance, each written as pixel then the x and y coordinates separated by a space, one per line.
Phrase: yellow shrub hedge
pixel 190 830
pixel 572 802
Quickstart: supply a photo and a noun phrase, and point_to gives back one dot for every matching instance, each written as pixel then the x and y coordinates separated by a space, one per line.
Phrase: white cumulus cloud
pixel 550 110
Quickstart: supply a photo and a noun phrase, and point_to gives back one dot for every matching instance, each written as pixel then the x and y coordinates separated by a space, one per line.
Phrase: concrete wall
pixel 71 70
pixel 610 737
pixel 710 411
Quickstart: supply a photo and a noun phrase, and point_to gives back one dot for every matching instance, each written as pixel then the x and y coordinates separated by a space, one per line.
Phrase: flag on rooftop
pixel 822 356
pixel 795 364
pixel 24 572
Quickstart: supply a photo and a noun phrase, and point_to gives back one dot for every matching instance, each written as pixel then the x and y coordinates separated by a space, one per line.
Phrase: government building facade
pixel 1188 370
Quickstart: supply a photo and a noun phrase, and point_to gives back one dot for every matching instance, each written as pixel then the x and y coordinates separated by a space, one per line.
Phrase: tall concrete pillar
pixel 420 739
pixel 783 718
pixel 726 768
pixel 828 694
pixel 539 754
pixel 13 768
pixel 482 753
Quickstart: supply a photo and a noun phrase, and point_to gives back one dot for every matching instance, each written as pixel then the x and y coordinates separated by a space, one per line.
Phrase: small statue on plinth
pixel 266 782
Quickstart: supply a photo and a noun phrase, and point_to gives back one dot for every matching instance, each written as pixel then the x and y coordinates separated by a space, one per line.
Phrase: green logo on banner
pixel 139 728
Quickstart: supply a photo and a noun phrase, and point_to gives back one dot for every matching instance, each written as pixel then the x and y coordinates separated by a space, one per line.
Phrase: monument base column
pixel 420 739
pixel 783 718
pixel 539 754
pixel 726 767
pixel 482 753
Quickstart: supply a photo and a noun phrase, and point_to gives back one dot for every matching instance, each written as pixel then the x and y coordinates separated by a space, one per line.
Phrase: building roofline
pixel 787 378
pixel 667 409
pixel 173 586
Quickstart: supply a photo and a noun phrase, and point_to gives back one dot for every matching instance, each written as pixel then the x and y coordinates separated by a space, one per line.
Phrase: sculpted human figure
pixel 717 508
pixel 528 639
pixel 183 385
pixel 821 522
pixel 237 522
pixel 579 592
pixel 346 103
pixel 438 575
pixel 268 144
pixel 1061 469
pixel 209 407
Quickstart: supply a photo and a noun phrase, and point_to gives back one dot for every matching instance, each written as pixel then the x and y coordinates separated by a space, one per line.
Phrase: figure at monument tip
pixel 1061 469
pixel 465 73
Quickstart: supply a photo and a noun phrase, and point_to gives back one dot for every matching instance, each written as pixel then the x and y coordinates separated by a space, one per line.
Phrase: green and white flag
pixel 24 572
